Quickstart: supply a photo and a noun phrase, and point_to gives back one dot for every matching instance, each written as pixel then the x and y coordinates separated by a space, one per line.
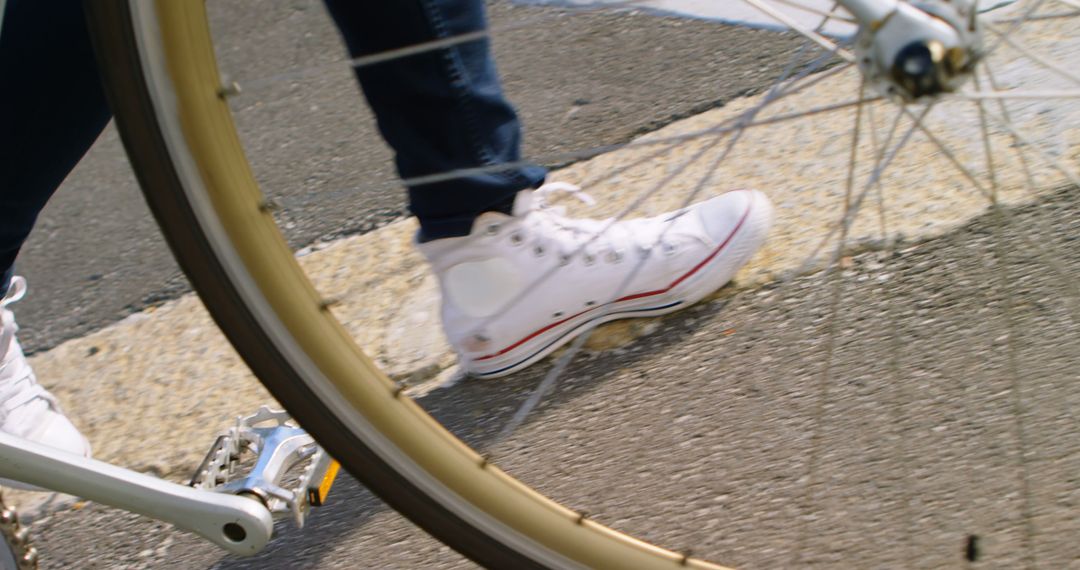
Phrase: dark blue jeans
pixel 440 111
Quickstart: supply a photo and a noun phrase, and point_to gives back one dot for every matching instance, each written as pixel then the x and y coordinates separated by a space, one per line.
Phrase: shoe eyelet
pixel 558 314
pixel 614 256
pixel 493 229
pixel 539 251
pixel 669 249
pixel 564 259
pixel 516 238
pixel 589 259
pixel 590 303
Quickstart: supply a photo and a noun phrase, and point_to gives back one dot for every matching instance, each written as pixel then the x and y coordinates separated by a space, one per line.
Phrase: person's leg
pixel 52 108
pixel 442 110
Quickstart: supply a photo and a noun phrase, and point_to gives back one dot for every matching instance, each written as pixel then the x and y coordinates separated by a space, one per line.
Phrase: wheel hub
pixel 921 50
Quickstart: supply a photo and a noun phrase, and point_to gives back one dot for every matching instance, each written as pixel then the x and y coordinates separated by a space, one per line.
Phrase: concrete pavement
pixel 122 376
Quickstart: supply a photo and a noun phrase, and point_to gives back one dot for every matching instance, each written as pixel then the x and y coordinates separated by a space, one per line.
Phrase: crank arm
pixel 237 524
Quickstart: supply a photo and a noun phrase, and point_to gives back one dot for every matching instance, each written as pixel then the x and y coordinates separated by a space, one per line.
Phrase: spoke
pixel 1004 284
pixel 782 89
pixel 676 139
pixel 1018 95
pixel 1051 160
pixel 1039 251
pixel 851 210
pixel 896 346
pixel 253 84
pixel 875 145
pixel 967 172
pixel 854 152
pixel 882 162
pixel 1041 17
pixel 1046 63
pixel 816 111
pixel 897 350
pixel 1014 25
pixel 724 127
pixel 991 171
pixel 789 89
pixel 825 378
pixel 1015 389
pixel 812 35
pixel 830 15
pixel 894 366
pixel 844 223
pixel 947 153
pixel 823 395
pixel 1019 145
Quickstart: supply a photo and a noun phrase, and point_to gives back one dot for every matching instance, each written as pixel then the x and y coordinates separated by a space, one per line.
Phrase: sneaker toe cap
pixel 57 431
pixel 722 215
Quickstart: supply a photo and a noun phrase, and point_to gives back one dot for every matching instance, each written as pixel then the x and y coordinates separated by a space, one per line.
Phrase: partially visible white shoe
pixel 522 285
pixel 27 409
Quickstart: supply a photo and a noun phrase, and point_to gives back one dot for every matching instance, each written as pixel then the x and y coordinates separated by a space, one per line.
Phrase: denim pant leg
pixel 52 108
pixel 440 110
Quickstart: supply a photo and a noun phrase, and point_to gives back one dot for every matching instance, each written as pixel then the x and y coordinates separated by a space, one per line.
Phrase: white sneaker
pixel 28 410
pixel 519 287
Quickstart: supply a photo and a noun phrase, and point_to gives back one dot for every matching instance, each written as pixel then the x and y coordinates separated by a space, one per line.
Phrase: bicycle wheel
pixel 178 129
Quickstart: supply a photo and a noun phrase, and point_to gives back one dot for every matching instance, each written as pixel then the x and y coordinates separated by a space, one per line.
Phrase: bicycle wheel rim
pixel 164 85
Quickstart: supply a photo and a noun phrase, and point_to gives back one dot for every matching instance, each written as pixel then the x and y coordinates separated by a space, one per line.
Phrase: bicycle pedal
pixel 290 474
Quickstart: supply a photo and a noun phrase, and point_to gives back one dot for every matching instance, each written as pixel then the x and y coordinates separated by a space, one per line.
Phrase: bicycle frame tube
pixel 237 524
pixel 867 12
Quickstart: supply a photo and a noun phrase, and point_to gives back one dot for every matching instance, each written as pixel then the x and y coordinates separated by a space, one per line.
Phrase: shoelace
pixel 14 392
pixel 607 236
